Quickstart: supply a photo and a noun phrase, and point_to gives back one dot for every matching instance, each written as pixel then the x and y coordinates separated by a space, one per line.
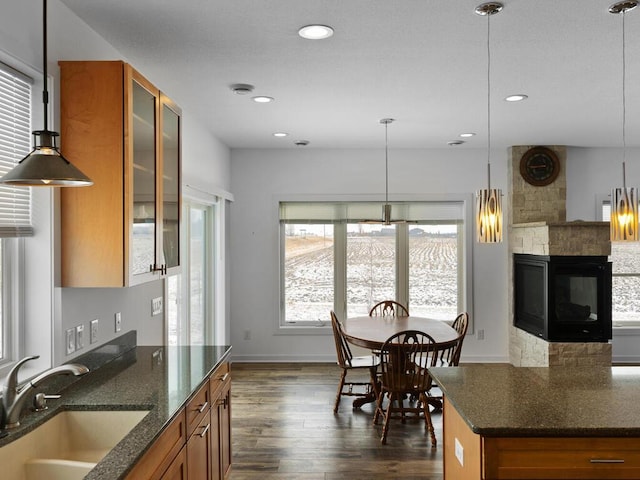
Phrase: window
pixel 625 288
pixel 15 203
pixel 333 259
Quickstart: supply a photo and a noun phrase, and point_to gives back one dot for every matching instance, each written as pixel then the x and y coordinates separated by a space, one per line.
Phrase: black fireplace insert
pixel 563 298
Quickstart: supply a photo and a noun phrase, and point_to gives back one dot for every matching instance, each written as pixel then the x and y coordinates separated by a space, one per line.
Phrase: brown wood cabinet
pixel 197 443
pixel 222 414
pixel 126 136
pixel 469 456
pixel 160 457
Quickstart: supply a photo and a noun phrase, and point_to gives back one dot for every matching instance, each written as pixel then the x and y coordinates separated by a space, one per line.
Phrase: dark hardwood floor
pixel 284 428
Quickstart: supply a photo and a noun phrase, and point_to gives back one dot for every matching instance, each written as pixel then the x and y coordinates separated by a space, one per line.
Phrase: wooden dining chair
pixel 450 357
pixel 389 308
pixel 347 362
pixel 401 377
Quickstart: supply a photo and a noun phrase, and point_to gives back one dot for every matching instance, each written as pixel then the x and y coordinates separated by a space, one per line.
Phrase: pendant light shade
pixel 45 166
pixel 489 200
pixel 624 201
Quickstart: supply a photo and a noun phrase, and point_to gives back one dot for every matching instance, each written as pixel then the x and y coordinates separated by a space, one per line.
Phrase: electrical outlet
pixel 480 334
pixel 118 321
pixel 93 334
pixel 458 451
pixel 71 341
pixel 79 337
pixel 156 306
pixel 247 334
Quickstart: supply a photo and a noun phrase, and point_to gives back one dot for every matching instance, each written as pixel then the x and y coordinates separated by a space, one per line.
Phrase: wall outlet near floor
pixel 70 341
pixel 156 306
pixel 79 337
pixel 480 334
pixel 93 334
pixel 118 317
pixel 247 334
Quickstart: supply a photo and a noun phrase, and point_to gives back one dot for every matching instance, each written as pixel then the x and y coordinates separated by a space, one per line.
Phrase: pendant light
pixel 386 208
pixel 624 201
pixel 45 166
pixel 489 200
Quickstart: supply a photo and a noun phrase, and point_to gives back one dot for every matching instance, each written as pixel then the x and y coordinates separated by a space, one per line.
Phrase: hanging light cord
pixel 624 105
pixel 45 92
pixel 488 103
pixel 386 162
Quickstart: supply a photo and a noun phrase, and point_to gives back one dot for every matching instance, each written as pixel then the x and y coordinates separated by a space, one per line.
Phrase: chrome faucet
pixel 13 397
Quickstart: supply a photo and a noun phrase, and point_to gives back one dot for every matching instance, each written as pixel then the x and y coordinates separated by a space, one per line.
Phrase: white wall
pixel 204 159
pixel 259 176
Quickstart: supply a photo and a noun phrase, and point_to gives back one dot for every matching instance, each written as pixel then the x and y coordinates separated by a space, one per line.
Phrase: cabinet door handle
pixel 224 377
pixel 205 430
pixel 203 407
pixel 607 460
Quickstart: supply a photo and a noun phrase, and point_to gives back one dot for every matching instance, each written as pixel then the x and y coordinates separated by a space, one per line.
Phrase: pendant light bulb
pixel 489 200
pixel 624 201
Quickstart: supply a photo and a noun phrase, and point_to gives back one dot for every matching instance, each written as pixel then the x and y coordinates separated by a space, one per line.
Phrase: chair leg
pixel 387 417
pixel 340 387
pixel 379 410
pixel 427 419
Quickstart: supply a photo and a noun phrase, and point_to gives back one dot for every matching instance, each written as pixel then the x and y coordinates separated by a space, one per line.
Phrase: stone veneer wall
pixel 537 220
pixel 528 203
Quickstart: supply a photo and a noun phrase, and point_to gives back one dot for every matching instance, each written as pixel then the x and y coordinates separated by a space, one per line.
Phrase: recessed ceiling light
pixel 241 88
pixel 315 32
pixel 455 143
pixel 262 99
pixel 280 134
pixel 467 135
pixel 516 98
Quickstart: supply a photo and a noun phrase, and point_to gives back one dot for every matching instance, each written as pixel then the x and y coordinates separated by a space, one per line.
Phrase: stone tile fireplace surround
pixel 538 226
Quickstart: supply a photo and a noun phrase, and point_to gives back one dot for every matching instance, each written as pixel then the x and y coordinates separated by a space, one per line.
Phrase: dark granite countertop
pixel 507 401
pixel 158 379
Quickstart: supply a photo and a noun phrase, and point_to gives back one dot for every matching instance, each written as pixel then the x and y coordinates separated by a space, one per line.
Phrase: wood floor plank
pixel 284 428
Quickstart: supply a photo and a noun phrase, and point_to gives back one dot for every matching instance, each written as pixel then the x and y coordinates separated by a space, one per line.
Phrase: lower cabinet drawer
pixel 561 458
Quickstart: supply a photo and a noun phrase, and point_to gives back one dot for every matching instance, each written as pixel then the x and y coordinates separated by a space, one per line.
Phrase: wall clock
pixel 539 166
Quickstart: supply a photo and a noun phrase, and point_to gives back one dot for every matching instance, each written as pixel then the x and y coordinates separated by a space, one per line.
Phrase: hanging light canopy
pixel 45 166
pixel 489 200
pixel 624 201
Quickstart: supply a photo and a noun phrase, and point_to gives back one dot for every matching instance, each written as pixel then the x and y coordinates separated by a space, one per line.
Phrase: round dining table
pixel 372 331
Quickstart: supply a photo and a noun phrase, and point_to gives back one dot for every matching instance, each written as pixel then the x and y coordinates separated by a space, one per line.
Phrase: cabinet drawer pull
pixel 224 377
pixel 203 407
pixel 204 432
pixel 606 460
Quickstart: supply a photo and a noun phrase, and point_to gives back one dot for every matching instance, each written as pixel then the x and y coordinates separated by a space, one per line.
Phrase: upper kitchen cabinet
pixel 126 136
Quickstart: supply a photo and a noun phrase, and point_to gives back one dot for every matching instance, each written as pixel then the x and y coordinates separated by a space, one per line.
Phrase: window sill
pixel 627 330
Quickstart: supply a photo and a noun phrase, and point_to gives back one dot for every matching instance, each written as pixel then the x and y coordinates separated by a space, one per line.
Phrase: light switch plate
pixel 70 339
pixel 118 321
pixel 93 334
pixel 79 337
pixel 156 306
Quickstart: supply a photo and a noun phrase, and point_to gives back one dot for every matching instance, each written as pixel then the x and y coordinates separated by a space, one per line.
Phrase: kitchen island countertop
pixel 500 400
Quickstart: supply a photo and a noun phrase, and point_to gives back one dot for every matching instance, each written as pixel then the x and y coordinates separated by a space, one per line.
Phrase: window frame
pixel 323 328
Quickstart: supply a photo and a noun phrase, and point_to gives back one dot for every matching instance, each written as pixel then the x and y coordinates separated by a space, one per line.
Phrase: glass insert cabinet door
pixel 143 243
pixel 170 141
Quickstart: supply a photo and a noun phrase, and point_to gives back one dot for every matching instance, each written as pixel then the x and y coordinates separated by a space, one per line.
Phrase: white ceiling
pixel 420 61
